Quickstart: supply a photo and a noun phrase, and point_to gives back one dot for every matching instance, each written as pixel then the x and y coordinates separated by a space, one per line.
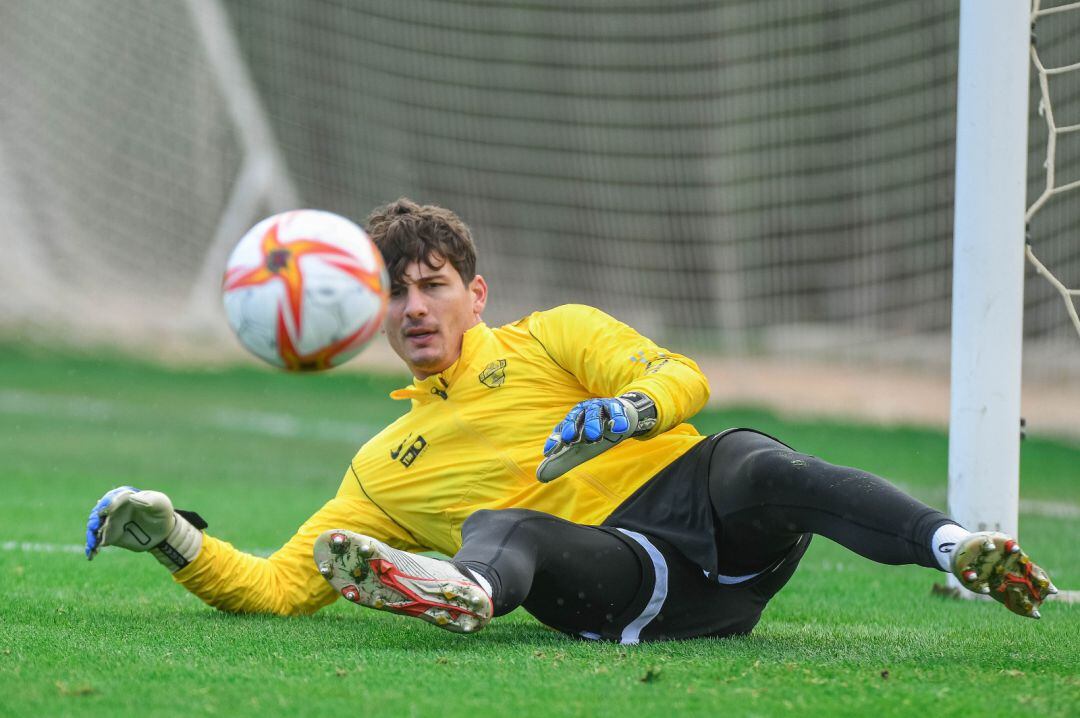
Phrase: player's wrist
pixel 643 410
pixel 145 521
pixel 182 544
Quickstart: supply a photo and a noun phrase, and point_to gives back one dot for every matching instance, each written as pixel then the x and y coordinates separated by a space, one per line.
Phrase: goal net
pixel 1060 109
pixel 758 178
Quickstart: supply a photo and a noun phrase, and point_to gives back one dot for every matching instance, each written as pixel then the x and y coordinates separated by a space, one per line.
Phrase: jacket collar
pixel 437 385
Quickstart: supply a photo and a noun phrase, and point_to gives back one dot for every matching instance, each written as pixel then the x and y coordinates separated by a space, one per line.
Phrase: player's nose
pixel 415 303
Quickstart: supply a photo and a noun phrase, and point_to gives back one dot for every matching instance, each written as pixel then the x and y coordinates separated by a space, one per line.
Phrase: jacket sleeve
pixel 286 583
pixel 610 358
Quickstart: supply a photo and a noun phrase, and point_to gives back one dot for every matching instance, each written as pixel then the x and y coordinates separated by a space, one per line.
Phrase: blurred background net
pixel 750 178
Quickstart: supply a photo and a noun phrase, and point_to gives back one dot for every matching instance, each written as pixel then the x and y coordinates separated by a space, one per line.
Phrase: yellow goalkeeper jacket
pixel 472 440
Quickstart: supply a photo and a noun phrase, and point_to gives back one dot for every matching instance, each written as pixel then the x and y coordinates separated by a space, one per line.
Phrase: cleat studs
pixel 339 543
pixel 1035 613
pixel 366 549
pixel 984 590
pixel 969 575
pixel 350 593
pixel 988 545
pixel 326 569
pixel 1051 589
pixel 1012 547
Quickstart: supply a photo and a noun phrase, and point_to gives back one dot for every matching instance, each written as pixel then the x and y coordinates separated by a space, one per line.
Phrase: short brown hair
pixel 406 232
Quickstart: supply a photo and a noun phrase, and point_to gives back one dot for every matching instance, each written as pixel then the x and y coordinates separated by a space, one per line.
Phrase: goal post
pixel 988 264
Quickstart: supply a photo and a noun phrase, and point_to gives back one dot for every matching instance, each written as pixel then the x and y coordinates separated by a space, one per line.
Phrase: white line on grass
pixel 244 421
pixel 1030 507
pixel 42 547
pixel 18 402
pixel 1050 509
pixel 39 547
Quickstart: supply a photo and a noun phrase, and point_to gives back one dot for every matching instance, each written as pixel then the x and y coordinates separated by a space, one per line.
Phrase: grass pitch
pixel 256 452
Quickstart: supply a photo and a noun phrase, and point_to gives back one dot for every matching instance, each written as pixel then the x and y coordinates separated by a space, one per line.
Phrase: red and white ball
pixel 305 290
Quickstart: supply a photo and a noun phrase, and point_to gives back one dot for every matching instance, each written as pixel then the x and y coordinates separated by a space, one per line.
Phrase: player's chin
pixel 429 358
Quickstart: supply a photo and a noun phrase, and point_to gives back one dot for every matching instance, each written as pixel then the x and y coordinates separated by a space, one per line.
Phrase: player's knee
pixel 775 469
pixel 765 462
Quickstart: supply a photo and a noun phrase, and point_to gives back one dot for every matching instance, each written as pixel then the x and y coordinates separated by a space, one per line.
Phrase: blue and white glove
pixel 591 428
pixel 144 521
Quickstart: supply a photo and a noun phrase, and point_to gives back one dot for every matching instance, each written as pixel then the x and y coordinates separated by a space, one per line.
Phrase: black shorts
pixel 670 524
pixel 678 601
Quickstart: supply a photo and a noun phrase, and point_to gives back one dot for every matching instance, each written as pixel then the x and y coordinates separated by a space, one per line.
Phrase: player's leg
pixel 608 583
pixel 572 577
pixel 766 495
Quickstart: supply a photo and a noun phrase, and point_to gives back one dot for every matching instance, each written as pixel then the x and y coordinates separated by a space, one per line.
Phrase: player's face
pixel 429 311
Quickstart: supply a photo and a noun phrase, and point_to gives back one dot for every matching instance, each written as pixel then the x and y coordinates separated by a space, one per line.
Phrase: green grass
pixel 257 452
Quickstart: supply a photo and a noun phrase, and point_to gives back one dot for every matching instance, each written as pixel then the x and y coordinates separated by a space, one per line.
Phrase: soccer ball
pixel 305 290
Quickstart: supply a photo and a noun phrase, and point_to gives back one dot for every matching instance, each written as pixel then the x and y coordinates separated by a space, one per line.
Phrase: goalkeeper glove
pixel 144 521
pixel 591 428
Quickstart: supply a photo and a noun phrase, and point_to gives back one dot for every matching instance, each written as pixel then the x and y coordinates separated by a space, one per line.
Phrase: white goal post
pixel 988 264
pixel 991 226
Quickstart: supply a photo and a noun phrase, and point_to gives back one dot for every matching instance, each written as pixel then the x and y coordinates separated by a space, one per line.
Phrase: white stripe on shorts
pixel 631 634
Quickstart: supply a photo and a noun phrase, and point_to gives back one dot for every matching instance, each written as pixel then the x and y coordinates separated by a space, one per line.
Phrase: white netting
pixel 115 161
pixel 770 178
pixel 1054 130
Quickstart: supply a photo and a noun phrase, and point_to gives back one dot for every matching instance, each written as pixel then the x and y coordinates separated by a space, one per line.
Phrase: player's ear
pixel 478 288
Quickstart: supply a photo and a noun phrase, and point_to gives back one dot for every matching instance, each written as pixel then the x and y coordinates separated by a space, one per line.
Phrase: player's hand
pixel 142 521
pixel 591 428
pixel 129 518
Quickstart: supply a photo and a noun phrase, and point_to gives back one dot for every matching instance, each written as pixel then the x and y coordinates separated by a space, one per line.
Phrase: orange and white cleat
pixel 992 564
pixel 368 572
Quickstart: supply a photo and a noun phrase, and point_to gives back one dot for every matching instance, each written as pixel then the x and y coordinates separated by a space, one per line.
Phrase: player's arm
pixel 641 389
pixel 286 583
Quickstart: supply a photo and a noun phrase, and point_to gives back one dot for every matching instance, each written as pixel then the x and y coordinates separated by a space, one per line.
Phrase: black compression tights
pixel 563 573
pixel 764 495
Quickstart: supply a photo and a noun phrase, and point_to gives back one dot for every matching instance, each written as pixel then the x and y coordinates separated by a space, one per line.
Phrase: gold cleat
pixel 993 564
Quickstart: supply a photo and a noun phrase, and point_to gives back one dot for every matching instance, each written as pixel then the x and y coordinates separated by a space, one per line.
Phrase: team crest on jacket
pixel 494 374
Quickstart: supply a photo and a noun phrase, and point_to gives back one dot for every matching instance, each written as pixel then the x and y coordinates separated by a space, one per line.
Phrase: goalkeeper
pixel 621 523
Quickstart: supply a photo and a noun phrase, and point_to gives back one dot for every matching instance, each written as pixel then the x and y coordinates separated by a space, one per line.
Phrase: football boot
pixel 368 572
pixel 992 564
